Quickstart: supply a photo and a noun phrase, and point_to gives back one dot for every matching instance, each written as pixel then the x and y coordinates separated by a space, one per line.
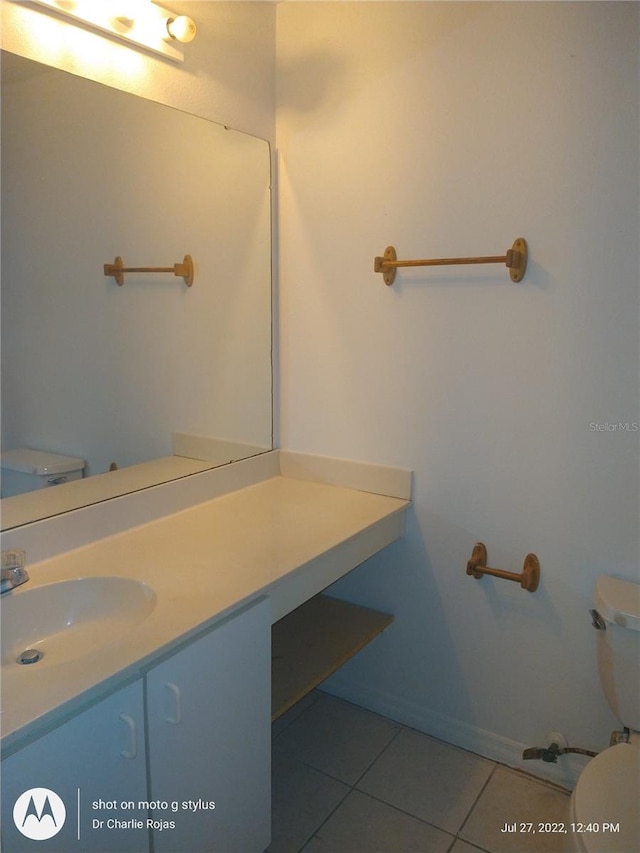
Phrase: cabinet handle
pixel 130 723
pixel 174 718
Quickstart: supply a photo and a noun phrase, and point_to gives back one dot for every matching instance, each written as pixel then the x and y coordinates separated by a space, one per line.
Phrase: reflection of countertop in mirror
pixel 282 525
pixel 19 510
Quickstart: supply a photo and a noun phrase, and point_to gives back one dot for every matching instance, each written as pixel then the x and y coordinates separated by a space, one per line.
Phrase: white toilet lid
pixel 605 801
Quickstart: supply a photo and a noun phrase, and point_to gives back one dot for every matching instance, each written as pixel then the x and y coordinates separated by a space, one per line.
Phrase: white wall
pixel 451 129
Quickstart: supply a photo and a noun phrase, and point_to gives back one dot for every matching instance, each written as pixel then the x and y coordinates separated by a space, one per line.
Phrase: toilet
pixel 24 470
pixel 604 813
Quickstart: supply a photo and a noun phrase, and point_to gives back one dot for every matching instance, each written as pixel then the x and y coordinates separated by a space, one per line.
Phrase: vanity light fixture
pixel 140 23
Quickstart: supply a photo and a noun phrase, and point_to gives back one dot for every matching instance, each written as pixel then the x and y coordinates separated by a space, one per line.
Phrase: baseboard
pixel 480 741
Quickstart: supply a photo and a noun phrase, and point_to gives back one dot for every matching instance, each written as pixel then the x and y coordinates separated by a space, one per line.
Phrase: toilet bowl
pixel 604 805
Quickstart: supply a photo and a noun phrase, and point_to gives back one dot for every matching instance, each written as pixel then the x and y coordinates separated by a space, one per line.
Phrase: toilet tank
pixel 24 470
pixel 618 603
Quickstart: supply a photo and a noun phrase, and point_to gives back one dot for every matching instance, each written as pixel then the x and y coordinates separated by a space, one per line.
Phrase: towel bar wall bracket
pixel 117 269
pixel 528 579
pixel 514 258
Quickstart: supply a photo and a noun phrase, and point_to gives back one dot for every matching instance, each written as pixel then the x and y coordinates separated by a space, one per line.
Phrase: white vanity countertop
pixel 283 537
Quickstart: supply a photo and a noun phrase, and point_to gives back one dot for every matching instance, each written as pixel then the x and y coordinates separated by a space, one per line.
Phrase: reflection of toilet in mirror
pixel 604 804
pixel 25 470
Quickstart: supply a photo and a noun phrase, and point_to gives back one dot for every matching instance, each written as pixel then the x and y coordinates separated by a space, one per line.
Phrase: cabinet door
pixel 98 755
pixel 208 714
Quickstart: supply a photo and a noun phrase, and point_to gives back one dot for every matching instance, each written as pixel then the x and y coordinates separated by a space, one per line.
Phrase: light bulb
pixel 181 28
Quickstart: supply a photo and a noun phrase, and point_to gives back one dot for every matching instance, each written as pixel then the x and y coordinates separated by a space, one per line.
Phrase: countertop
pixel 283 537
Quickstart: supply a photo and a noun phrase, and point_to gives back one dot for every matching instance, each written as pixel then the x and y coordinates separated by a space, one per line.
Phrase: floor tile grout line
pixel 405 812
pixel 384 803
pixel 476 801
pixel 457 838
pixel 323 822
pixel 379 755
pixel 321 772
pixel 310 704
pixel 473 845
pixel 398 726
pixel 350 785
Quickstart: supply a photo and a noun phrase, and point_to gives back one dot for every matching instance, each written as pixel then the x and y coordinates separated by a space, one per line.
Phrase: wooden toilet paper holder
pixel 528 579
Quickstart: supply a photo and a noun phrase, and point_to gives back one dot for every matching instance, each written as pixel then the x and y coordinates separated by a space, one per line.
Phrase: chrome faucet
pixel 13 570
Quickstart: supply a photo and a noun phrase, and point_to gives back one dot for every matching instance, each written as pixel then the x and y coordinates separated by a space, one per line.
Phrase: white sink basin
pixel 70 619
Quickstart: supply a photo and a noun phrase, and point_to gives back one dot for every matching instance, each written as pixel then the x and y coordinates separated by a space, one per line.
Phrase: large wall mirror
pixel 150 380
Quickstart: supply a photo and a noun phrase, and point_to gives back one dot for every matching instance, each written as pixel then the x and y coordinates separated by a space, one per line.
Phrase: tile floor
pixel 346 780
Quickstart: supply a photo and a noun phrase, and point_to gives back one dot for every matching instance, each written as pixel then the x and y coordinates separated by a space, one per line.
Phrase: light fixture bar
pixel 141 23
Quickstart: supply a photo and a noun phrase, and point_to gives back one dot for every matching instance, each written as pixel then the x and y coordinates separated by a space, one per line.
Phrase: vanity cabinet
pixel 98 755
pixel 176 762
pixel 209 735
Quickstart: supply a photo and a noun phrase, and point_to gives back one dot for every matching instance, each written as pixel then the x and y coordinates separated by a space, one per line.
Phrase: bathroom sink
pixel 70 619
